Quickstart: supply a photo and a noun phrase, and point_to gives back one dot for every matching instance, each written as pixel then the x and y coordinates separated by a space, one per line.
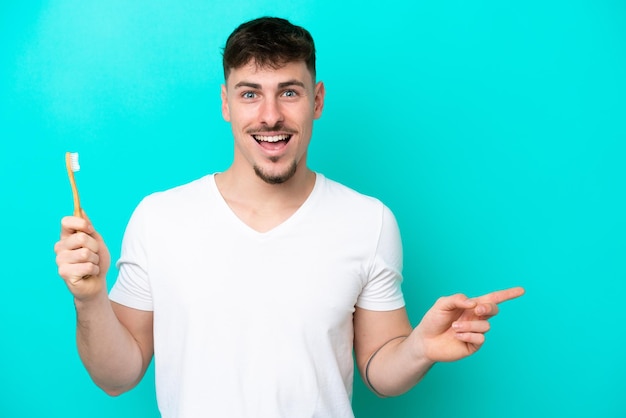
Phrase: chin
pixel 276 177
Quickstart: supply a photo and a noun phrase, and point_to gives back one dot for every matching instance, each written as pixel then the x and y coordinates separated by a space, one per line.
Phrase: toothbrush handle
pixel 70 175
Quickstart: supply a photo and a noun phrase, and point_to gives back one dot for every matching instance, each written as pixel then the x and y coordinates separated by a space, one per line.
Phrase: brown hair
pixel 269 42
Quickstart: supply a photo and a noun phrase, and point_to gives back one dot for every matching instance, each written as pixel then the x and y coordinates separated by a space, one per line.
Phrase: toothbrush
pixel 71 163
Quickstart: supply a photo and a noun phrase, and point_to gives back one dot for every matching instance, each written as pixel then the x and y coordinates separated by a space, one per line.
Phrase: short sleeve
pixel 383 289
pixel 132 287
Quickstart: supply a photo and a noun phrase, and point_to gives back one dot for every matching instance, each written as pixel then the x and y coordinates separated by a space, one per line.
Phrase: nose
pixel 271 112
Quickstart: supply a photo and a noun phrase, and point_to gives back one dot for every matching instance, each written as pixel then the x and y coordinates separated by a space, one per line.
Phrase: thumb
pixel 454 302
pixel 83 215
pixel 103 251
pixel 94 233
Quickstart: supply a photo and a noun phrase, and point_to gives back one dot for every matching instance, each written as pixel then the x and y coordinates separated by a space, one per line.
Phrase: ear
pixel 225 108
pixel 320 93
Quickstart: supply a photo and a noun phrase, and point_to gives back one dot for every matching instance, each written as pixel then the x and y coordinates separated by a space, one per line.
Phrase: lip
pixel 273 136
pixel 274 147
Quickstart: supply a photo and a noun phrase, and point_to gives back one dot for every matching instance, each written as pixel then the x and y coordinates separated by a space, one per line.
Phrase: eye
pixel 248 95
pixel 290 93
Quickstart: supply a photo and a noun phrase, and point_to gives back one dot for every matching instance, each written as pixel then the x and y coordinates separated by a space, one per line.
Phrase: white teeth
pixel 274 138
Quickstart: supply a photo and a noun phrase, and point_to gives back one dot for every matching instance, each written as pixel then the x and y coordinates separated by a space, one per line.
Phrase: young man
pixel 253 286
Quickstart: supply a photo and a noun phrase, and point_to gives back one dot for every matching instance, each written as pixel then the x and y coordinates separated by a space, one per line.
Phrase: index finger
pixel 500 296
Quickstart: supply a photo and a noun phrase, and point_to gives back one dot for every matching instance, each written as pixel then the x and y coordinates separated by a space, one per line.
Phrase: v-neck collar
pixel 236 220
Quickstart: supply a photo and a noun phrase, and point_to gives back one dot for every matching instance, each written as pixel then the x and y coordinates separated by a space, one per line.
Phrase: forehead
pixel 267 76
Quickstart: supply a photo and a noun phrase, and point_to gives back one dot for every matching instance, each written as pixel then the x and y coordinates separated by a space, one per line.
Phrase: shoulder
pixel 337 193
pixel 190 190
pixel 351 206
pixel 176 201
pixel 183 195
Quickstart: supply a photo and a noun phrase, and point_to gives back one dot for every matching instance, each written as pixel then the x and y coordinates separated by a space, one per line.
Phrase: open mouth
pixel 272 142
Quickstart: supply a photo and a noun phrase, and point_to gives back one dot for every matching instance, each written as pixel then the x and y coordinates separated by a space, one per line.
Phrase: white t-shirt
pixel 250 324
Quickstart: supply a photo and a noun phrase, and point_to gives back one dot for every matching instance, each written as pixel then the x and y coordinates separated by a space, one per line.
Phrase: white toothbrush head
pixel 74 162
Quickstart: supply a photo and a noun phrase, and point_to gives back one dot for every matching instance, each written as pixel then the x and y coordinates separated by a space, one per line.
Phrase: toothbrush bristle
pixel 74 161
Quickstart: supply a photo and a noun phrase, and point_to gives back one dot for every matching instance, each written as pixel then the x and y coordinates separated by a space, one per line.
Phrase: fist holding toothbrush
pixel 82 258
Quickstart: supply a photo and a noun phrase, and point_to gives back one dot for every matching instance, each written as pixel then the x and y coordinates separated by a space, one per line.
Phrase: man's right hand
pixel 82 258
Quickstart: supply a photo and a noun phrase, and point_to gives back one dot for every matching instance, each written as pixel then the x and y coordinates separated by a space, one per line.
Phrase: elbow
pixel 116 386
pixel 113 392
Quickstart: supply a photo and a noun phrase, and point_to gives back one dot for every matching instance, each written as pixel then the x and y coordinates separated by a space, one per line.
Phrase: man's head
pixel 269 42
pixel 270 97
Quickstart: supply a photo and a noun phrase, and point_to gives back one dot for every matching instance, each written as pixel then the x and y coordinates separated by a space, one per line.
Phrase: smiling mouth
pixel 272 142
pixel 271 138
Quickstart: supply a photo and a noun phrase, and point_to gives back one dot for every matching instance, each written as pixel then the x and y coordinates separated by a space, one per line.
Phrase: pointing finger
pixel 500 296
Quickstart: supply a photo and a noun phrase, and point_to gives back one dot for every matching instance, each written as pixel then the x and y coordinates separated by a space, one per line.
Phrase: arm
pixel 115 342
pixel 383 358
pixel 452 329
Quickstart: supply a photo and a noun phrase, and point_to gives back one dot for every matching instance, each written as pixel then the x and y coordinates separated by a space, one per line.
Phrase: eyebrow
pixel 291 83
pixel 247 84
pixel 280 85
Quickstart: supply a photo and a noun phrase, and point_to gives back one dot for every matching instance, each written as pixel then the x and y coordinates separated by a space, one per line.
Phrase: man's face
pixel 271 112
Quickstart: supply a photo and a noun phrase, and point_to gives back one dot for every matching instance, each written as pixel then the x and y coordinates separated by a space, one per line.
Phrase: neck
pixel 246 183
pixel 262 205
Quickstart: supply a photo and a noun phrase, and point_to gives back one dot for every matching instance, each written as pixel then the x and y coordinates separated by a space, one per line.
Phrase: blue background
pixel 494 130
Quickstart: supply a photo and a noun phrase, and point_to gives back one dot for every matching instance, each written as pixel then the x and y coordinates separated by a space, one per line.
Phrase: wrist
pixel 419 349
pixel 85 301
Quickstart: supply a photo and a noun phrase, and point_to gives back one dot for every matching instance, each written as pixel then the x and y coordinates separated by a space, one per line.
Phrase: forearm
pixel 397 366
pixel 107 349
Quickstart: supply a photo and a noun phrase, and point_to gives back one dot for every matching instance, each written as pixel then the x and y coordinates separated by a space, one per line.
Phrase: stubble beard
pixel 276 178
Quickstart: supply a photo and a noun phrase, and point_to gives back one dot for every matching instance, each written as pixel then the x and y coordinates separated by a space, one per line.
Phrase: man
pixel 253 286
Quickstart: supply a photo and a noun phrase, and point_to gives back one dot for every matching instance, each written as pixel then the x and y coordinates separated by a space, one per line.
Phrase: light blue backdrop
pixel 494 130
